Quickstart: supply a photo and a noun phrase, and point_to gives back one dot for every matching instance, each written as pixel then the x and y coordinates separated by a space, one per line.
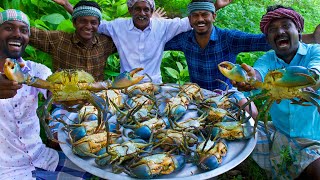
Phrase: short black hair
pixel 87 3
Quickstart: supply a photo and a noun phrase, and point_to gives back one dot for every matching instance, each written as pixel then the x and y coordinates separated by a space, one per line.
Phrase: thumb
pixel 250 71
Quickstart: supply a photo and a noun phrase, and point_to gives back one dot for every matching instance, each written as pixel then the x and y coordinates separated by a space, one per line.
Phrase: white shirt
pixel 138 48
pixel 21 148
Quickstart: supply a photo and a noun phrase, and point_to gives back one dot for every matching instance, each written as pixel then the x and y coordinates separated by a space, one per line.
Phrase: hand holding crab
pixel 287 83
pixel 70 86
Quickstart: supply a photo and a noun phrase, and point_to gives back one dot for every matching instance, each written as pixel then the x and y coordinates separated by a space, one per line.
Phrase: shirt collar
pixel 213 36
pixel 76 40
pixel 131 25
pixel 25 68
pixel 302 49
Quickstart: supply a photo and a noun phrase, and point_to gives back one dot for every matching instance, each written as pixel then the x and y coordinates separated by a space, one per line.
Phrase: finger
pixel 248 69
pixel 4 94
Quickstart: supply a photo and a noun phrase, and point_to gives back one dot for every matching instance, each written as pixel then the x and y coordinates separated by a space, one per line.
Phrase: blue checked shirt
pixel 224 45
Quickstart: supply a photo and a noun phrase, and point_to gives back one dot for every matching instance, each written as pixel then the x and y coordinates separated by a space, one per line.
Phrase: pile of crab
pixel 150 130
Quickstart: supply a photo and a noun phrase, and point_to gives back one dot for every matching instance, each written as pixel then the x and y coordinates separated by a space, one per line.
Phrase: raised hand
pixel 65 4
pixel 61 2
pixel 221 3
pixel 159 13
pixel 316 34
pixel 243 86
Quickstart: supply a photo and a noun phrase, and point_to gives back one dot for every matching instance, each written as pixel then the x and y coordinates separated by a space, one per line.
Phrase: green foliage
pixel 112 68
pixel 243 15
pixel 287 157
pixel 174 67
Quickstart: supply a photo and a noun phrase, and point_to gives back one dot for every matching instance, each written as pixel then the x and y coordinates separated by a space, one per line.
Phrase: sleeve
pixel 245 42
pixel 105 27
pixel 176 26
pixel 175 43
pixel 314 61
pixel 44 40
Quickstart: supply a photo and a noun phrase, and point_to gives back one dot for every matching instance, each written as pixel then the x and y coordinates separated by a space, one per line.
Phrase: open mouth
pixel 14 43
pixel 282 42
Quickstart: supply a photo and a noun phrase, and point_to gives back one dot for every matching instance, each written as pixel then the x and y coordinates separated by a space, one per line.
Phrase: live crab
pixel 70 86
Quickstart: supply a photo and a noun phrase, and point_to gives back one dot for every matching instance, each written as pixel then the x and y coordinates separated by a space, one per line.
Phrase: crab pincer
pixel 127 79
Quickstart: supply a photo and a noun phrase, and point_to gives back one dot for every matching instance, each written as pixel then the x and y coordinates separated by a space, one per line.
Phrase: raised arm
pixel 312 38
pixel 65 4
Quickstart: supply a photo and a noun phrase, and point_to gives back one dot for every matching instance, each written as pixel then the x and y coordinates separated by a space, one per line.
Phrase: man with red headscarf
pixel 291 147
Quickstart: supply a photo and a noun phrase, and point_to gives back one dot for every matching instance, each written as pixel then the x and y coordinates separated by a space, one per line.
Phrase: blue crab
pixel 286 83
pixel 69 87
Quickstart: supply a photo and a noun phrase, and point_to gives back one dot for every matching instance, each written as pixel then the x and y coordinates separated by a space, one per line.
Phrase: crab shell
pixel 157 164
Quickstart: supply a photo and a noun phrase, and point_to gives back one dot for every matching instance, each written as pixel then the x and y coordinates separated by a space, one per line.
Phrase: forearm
pixel 308 39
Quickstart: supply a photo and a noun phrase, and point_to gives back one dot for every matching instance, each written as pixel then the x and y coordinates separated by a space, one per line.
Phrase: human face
pixel 201 21
pixel 14 37
pixel 283 36
pixel 86 27
pixel 141 13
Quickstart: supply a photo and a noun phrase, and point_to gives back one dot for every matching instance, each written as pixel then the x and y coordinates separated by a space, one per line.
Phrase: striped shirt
pixel 224 45
pixel 69 53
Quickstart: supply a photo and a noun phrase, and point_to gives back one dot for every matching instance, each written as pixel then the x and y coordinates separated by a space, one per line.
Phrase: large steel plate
pixel 238 151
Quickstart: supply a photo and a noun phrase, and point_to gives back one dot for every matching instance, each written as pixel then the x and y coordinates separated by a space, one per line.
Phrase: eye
pixel 272 30
pixel 7 28
pixel 24 30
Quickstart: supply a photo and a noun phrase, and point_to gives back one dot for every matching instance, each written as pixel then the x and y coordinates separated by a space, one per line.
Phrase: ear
pixel 74 22
pixel 300 36
pixel 130 10
pixel 214 16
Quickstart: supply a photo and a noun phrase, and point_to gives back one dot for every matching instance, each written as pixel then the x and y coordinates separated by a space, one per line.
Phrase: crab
pixel 70 86
pixel 287 83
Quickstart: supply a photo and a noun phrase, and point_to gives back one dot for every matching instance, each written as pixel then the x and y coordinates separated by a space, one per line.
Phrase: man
pixel 23 155
pixel 206 46
pixel 140 40
pixel 83 49
pixel 294 128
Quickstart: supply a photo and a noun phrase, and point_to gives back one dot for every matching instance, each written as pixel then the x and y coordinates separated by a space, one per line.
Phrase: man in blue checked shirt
pixel 295 129
pixel 206 46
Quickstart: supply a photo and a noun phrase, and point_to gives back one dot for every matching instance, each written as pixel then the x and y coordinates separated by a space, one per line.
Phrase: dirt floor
pixel 248 169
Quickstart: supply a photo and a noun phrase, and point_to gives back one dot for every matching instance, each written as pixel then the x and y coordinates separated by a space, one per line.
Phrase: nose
pixel 88 25
pixel 200 18
pixel 16 32
pixel 142 12
pixel 281 31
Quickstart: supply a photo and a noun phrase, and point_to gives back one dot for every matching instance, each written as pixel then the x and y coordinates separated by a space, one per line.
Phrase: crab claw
pixel 233 71
pixel 293 76
pixel 12 69
pixel 127 79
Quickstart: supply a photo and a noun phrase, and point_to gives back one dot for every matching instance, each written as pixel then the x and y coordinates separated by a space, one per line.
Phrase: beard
pixel 13 54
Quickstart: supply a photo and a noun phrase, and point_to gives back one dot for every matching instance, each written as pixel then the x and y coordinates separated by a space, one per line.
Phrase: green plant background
pixel 243 15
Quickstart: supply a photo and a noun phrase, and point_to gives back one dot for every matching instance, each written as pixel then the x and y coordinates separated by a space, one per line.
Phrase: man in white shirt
pixel 23 155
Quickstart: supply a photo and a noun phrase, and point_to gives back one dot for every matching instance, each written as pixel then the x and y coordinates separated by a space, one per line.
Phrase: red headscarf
pixel 279 14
